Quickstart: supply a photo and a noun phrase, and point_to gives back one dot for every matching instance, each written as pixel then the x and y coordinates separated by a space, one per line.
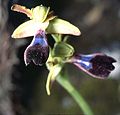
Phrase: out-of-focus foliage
pixel 7 60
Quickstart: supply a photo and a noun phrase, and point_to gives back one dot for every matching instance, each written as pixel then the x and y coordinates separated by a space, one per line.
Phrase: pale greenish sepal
pixel 28 29
pixel 62 27
pixel 40 13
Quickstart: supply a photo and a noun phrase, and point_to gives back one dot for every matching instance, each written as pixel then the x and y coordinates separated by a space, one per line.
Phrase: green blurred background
pixel 99 22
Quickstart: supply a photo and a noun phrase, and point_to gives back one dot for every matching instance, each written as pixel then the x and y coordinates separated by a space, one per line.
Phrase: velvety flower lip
pixel 97 65
pixel 38 51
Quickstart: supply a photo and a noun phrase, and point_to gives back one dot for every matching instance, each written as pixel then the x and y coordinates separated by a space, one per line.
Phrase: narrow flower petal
pixel 39 13
pixel 62 27
pixel 97 65
pixel 22 9
pixel 50 16
pixel 28 29
pixel 37 52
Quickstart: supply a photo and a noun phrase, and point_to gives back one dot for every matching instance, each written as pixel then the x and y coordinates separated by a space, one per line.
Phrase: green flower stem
pixel 64 82
pixel 57 37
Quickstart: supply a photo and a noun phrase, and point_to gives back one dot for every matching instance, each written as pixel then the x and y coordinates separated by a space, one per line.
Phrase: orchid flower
pixel 97 65
pixel 42 22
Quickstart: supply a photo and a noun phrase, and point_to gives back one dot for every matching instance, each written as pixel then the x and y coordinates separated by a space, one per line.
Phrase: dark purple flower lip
pixel 38 51
pixel 97 65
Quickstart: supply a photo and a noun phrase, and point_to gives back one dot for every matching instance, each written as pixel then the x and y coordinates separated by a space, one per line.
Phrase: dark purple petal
pixel 97 65
pixel 38 51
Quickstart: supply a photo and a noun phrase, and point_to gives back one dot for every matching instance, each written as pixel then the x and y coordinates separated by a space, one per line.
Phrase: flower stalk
pixel 65 83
